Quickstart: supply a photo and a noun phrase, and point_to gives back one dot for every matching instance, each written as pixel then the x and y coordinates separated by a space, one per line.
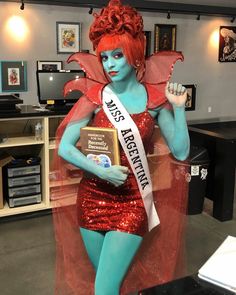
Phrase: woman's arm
pixel 173 124
pixel 69 152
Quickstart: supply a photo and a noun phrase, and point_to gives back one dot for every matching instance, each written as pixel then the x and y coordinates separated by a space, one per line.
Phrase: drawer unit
pixel 24 190
pixel 21 181
pixel 22 201
pixel 22 171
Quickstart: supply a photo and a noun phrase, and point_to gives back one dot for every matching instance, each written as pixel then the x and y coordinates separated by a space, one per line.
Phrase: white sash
pixel 132 144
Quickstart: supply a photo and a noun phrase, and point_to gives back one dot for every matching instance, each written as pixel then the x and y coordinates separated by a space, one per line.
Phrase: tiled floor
pixel 27 251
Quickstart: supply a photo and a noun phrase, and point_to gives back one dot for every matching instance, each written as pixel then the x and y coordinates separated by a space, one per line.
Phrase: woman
pixel 115 206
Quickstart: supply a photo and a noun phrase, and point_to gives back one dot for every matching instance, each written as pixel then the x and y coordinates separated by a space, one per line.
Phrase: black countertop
pixel 33 111
pixel 190 285
pixel 222 129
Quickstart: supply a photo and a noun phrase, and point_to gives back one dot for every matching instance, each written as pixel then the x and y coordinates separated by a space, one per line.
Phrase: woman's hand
pixel 176 94
pixel 116 174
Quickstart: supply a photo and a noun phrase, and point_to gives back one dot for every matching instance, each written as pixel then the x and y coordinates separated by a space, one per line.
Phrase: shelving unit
pixel 20 141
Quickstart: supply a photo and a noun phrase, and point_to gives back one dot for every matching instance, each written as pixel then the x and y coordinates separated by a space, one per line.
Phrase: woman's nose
pixel 110 63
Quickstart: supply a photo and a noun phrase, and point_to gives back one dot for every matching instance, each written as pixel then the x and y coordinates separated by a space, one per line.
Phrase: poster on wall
pixel 191 97
pixel 148 43
pixel 47 65
pixel 165 37
pixel 68 37
pixel 227 44
pixel 13 76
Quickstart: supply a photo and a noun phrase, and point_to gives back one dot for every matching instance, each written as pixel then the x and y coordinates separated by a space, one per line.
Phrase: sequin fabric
pixel 102 206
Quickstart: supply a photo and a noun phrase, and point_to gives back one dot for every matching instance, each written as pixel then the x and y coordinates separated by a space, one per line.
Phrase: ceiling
pixel 200 7
pixel 225 3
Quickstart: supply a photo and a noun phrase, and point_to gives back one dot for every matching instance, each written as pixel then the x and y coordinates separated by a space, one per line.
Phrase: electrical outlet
pixel 209 109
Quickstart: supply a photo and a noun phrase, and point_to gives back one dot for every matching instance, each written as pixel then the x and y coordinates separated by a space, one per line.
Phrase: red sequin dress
pixel 101 205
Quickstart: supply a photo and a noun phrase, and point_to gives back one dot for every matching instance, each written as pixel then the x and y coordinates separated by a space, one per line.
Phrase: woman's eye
pixel 118 55
pixel 103 57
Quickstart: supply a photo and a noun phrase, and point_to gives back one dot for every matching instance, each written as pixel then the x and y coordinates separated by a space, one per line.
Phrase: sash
pixel 132 145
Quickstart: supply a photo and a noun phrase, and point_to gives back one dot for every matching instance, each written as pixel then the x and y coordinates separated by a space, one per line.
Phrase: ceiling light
pixel 22 7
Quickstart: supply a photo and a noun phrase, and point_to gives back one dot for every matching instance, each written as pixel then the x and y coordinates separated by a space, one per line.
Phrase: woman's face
pixel 115 64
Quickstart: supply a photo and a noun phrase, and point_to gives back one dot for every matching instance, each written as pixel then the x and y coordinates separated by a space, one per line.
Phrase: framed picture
pixel 148 43
pixel 68 37
pixel 227 44
pixel 13 76
pixel 46 65
pixel 191 97
pixel 164 37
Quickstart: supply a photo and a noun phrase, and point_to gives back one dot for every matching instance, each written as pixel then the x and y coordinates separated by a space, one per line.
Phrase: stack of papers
pixel 220 268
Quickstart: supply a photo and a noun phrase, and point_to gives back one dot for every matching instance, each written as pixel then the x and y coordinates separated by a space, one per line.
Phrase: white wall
pixel 215 81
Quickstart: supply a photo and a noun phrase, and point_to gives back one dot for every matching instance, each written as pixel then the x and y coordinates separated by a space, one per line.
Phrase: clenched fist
pixel 176 94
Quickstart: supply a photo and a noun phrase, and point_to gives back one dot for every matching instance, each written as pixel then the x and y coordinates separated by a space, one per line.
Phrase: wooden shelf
pixel 20 141
pixel 27 139
pixel 52 144
pixel 69 200
pixel 6 211
pixel 69 181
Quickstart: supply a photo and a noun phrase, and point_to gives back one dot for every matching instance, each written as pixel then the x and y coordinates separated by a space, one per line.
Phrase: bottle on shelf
pixel 38 131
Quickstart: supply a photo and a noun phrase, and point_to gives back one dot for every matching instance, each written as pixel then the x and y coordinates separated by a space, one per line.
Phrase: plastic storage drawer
pixel 24 190
pixel 22 171
pixel 20 181
pixel 16 202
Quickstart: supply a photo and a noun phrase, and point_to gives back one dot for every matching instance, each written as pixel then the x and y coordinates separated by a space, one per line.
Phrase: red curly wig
pixel 119 26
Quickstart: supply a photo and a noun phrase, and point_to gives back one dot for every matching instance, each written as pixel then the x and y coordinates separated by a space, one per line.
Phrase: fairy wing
pixel 95 79
pixel 90 64
pixel 159 66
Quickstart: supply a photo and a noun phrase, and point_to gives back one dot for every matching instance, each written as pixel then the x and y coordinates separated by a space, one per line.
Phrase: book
pixel 220 268
pixel 100 145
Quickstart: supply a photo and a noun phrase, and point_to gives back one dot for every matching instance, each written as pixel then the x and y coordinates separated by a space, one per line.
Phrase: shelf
pixel 20 141
pixel 69 200
pixel 69 181
pixel 6 211
pixel 52 146
pixel 21 137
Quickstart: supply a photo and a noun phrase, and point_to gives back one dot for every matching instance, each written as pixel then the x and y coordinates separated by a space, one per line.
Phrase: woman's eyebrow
pixel 117 50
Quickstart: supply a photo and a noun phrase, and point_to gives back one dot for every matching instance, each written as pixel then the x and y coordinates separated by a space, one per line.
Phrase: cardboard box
pixel 4 159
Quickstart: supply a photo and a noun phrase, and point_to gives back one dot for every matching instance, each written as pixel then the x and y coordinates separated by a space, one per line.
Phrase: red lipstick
pixel 113 73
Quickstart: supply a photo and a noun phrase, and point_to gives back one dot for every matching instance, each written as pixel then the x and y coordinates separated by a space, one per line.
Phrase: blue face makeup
pixel 115 64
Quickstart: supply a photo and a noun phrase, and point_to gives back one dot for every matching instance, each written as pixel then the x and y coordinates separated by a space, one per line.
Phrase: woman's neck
pixel 129 84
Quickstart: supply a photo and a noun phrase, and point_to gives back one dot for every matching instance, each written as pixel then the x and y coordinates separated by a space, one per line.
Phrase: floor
pixel 27 250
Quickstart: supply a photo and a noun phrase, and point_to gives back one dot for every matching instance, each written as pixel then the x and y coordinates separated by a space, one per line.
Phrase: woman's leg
pixel 117 253
pixel 93 241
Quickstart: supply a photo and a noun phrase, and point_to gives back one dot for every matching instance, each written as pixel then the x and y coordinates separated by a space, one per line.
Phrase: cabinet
pixel 19 141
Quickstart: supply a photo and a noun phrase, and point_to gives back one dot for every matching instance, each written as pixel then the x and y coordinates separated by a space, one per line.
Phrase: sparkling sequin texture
pixel 102 206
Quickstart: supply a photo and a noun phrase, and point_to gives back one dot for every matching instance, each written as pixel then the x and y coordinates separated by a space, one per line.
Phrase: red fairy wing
pixel 81 84
pixel 159 67
pixel 90 65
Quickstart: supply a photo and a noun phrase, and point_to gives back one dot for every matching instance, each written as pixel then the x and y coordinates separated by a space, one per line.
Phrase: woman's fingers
pixel 124 169
pixel 117 175
pixel 175 88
